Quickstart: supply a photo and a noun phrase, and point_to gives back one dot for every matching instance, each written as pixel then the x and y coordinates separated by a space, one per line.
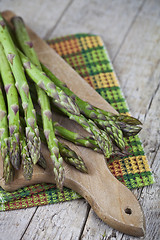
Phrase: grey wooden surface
pixel 131 32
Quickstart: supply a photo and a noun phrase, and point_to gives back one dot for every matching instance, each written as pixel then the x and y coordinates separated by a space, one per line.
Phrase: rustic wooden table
pixel 131 32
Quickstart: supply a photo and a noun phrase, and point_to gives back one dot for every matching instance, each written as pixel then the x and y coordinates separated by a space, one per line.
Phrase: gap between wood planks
pixel 28 223
pixel 153 95
pixel 129 29
pixel 51 30
pixel 85 220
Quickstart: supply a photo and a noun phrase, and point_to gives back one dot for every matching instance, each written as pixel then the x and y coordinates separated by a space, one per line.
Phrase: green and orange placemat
pixel 87 55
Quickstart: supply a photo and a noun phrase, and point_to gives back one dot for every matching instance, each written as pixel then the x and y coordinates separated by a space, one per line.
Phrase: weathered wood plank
pixel 95 229
pixel 137 66
pixel 14 223
pixel 109 19
pixel 39 15
pixel 138 60
pixel 58 221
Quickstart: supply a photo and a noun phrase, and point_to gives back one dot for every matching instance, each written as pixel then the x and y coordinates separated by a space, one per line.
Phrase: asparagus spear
pixel 32 132
pixel 13 108
pixel 120 117
pixel 27 47
pixel 129 130
pixel 60 99
pixel 27 165
pixel 8 172
pixel 72 158
pixel 77 138
pixel 69 155
pixel 98 115
pixel 63 103
pixel 65 133
pixel 42 162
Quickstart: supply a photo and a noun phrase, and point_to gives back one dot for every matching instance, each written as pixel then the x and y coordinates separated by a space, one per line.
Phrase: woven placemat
pixel 87 55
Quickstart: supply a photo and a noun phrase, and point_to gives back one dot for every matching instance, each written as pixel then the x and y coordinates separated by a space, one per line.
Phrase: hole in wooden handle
pixel 128 211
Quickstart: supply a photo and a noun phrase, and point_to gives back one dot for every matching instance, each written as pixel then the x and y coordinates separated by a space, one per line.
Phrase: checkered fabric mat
pixel 87 55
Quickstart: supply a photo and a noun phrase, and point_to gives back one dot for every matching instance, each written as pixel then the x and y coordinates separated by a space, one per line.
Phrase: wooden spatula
pixel 112 201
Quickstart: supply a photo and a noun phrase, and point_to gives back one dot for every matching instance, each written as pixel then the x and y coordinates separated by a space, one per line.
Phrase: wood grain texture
pixel 110 19
pixel 12 226
pixel 146 108
pixel 47 221
pixel 34 12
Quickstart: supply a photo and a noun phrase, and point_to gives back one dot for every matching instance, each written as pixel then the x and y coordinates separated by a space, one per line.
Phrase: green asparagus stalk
pixel 27 47
pixel 88 141
pixel 72 158
pixel 76 138
pixel 113 131
pixel 13 108
pixel 102 139
pixel 52 145
pixel 97 114
pixel 129 130
pixel 60 99
pixel 109 126
pixel 32 132
pixel 57 162
pixel 127 124
pixel 69 155
pixel 44 82
pixel 120 117
pixel 8 172
pixel 27 165
pixel 42 162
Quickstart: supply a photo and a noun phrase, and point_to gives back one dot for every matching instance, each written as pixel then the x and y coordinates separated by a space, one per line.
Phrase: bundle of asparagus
pixel 19 64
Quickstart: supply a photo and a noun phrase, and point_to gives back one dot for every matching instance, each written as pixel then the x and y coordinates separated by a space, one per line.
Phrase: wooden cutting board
pixel 112 201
